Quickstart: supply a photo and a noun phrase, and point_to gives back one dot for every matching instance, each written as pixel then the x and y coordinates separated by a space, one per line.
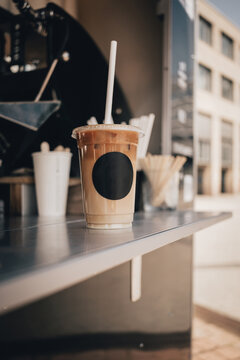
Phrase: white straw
pixel 111 74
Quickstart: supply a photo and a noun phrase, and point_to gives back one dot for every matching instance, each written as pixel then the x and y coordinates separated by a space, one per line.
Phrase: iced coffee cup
pixel 107 155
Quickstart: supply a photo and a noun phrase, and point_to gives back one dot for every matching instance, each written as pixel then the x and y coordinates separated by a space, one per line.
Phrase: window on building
pixel 203 127
pixel 204 152
pixel 205 30
pixel 205 77
pixel 227 144
pixel 227 88
pixel 227 46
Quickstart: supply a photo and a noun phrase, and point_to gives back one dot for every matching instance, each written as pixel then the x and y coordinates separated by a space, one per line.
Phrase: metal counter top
pixel 39 257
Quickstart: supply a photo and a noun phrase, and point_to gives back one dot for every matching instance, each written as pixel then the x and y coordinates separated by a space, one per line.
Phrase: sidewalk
pixel 211 342
pixel 217 258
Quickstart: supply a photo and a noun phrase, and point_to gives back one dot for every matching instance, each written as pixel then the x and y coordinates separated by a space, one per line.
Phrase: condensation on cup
pixel 107 155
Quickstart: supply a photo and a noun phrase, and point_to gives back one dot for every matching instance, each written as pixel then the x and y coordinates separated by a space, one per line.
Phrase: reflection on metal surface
pixel 19 244
pixel 52 243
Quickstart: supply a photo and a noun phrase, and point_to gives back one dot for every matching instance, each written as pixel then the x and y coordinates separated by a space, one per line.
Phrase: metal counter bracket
pixel 136 278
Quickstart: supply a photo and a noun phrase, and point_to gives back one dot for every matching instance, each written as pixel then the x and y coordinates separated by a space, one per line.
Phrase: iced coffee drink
pixel 107 155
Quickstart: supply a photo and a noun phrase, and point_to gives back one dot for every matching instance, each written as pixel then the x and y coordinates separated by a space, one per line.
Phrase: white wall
pixel 217 258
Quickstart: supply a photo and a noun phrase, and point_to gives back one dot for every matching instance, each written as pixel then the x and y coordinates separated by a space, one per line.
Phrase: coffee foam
pixel 114 127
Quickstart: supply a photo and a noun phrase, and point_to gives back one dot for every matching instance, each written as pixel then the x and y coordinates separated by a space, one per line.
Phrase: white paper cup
pixel 52 178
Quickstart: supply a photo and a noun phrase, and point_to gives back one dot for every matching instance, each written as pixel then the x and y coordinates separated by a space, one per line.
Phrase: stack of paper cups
pixel 51 178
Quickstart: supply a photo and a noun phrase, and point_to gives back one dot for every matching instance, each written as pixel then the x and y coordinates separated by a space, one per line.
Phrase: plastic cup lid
pixel 96 127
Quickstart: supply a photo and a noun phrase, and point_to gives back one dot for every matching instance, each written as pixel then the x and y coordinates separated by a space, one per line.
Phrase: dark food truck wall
pixel 79 83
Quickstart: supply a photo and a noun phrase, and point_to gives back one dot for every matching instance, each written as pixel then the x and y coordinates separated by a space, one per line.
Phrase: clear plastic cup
pixel 51 170
pixel 107 154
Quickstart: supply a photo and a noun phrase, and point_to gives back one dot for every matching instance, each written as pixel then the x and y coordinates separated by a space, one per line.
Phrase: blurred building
pixel 217 102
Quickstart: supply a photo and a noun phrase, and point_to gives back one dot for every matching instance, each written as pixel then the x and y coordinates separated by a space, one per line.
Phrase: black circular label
pixel 112 175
